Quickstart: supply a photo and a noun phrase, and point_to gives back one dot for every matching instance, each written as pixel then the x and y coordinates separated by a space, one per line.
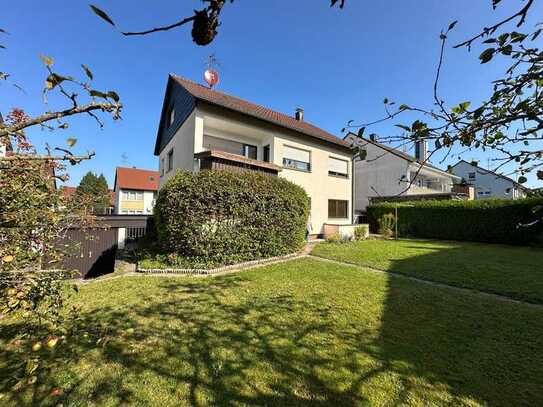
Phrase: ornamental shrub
pixel 219 217
pixel 361 232
pixel 489 220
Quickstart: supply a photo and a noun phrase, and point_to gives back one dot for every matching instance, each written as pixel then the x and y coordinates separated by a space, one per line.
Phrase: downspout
pixel 352 190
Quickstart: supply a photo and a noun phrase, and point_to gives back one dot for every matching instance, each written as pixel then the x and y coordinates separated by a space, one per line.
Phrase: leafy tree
pixel 35 218
pixel 93 193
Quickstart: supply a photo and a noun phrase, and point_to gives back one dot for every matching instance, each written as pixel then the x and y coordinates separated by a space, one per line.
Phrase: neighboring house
pixel 70 191
pixel 389 173
pixel 202 128
pixel 488 184
pixel 135 191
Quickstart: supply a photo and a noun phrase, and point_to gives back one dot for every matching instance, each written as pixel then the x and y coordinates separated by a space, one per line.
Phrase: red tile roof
pixel 70 191
pixel 134 178
pixel 260 112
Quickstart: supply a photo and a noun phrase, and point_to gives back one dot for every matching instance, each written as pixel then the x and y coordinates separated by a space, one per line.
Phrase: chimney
pixel 299 115
pixel 421 150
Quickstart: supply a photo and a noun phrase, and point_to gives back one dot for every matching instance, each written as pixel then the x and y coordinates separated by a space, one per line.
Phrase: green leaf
pixel 522 180
pixel 401 126
pixel 102 14
pixel 54 80
pixel 486 55
pixel 361 132
pixel 438 144
pixel 71 141
pixel 385 101
pixel 113 95
pixel 98 94
pixel 404 107
pixel 47 60
pixel 452 25
pixel 87 71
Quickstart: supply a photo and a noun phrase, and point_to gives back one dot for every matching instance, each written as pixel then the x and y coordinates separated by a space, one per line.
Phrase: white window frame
pixel 333 173
pixel 295 164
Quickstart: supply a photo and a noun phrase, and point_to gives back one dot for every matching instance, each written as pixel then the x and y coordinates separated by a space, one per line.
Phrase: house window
pixel 296 158
pixel 337 209
pixel 250 151
pixel 338 168
pixel 162 167
pixel 171 116
pixel 472 175
pixel 170 160
pixel 132 196
pixel 266 153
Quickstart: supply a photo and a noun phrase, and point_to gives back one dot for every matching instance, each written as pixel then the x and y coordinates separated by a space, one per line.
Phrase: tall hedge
pixel 224 217
pixel 492 220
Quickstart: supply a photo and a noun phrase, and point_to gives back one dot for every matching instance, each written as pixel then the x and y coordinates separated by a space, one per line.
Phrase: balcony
pixel 222 160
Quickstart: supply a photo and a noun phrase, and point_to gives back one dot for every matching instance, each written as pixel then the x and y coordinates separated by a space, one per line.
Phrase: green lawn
pixel 516 272
pixel 304 333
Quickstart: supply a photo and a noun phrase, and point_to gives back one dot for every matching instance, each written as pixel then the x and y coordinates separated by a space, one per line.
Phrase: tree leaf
pixel 97 93
pixel 522 180
pixel 47 60
pixel 486 55
pixel 101 14
pixel 361 132
pixel 401 126
pixel 452 25
pixel 113 95
pixel 53 80
pixel 87 71
pixel 404 107
pixel 71 141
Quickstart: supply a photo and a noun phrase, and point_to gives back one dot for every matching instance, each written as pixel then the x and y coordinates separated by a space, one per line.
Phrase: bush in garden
pixel 386 225
pixel 506 221
pixel 222 217
pixel 361 232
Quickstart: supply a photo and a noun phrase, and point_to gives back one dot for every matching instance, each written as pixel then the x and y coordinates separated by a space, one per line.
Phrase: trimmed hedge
pixel 492 220
pixel 224 217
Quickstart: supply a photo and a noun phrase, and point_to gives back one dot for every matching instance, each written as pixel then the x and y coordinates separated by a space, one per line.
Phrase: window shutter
pixel 296 154
pixel 338 166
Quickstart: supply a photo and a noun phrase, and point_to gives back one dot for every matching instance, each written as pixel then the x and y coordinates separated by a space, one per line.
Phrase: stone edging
pixel 218 269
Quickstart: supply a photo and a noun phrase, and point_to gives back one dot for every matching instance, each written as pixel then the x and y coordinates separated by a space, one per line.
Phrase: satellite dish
pixel 211 76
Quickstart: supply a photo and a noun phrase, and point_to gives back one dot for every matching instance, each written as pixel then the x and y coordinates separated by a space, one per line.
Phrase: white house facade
pixel 202 128
pixel 135 191
pixel 387 172
pixel 488 184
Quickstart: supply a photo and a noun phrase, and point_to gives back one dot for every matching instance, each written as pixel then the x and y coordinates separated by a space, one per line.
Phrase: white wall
pixel 209 120
pixel 148 202
pixel 182 143
pixel 485 182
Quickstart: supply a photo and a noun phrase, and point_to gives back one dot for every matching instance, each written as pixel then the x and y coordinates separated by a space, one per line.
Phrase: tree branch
pixel 108 107
pixel 164 28
pixel 489 30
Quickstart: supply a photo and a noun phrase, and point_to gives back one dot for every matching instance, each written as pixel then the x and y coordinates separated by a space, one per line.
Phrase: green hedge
pixel 492 220
pixel 223 217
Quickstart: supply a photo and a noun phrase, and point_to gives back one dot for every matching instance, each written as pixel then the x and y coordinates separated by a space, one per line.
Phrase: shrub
pixel 361 232
pixel 492 220
pixel 387 223
pixel 333 238
pixel 223 217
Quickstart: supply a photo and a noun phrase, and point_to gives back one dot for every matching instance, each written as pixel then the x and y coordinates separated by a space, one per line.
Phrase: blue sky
pixel 337 64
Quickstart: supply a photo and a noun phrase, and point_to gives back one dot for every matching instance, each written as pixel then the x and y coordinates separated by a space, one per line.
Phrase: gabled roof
pixel 135 178
pixel 68 192
pixel 484 170
pixel 399 154
pixel 234 103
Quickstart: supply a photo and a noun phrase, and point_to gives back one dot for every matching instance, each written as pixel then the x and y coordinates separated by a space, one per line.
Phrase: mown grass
pixel 516 272
pixel 302 333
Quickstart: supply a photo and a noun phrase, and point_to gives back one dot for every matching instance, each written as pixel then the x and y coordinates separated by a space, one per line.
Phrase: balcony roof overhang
pixel 238 159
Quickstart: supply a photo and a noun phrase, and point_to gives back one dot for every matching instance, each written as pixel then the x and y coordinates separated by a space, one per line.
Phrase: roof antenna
pixel 211 76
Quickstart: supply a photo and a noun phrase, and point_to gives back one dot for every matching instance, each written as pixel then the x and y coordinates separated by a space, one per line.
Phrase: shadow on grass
pixel 197 346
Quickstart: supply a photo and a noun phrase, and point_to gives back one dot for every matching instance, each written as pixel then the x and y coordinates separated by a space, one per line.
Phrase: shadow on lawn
pixel 282 350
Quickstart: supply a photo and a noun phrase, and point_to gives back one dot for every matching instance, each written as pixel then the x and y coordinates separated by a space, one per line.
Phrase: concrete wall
pixel 182 144
pixel 488 185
